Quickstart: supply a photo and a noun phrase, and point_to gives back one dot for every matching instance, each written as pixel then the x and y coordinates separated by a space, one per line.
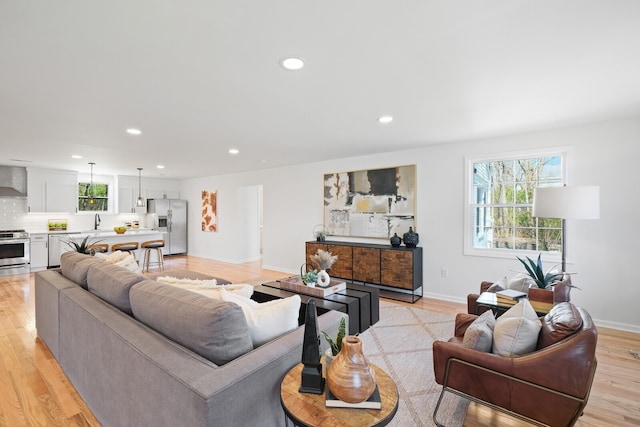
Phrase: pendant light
pixel 140 201
pixel 90 189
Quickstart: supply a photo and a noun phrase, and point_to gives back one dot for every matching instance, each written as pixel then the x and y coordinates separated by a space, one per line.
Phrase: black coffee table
pixel 361 303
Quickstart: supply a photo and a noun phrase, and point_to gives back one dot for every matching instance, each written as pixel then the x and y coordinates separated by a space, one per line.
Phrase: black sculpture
pixel 312 380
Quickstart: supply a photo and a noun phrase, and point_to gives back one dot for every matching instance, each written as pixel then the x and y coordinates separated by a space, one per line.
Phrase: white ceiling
pixel 201 76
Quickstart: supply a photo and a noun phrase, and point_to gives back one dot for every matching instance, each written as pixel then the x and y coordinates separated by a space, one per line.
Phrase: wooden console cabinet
pixel 393 269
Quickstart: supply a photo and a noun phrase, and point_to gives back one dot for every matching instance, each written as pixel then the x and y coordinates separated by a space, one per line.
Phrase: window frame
pixel 469 250
pixel 97 179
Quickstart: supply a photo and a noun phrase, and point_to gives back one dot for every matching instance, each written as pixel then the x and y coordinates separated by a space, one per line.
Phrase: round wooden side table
pixel 309 410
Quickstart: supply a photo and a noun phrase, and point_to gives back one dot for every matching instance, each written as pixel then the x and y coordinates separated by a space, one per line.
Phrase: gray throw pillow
pixel 214 329
pixel 479 335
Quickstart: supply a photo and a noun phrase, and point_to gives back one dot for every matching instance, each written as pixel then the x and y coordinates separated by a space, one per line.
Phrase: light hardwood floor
pixel 35 392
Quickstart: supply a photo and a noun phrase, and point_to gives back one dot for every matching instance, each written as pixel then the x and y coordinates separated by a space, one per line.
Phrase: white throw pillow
pixel 120 258
pixel 520 282
pixel 113 257
pixel 243 290
pixel 190 284
pixel 479 334
pixel 516 331
pixel 267 320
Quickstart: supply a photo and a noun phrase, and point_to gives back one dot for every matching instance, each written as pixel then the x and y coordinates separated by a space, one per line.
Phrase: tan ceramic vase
pixel 350 378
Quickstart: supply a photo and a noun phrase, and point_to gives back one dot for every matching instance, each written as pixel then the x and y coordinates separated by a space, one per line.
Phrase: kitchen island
pixel 57 245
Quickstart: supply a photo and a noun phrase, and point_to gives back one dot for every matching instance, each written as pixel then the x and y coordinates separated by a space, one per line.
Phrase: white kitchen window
pixel 498 220
pixel 93 197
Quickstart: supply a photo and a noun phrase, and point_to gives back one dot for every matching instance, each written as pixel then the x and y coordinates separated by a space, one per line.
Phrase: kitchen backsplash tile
pixel 12 213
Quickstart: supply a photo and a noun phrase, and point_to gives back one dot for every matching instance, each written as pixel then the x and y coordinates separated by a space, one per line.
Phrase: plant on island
pixel 82 247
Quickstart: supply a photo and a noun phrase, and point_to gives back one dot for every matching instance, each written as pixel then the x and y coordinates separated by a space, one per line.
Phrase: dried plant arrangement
pixel 323 259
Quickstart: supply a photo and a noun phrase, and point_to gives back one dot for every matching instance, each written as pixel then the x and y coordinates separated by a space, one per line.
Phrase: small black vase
pixel 411 238
pixel 395 240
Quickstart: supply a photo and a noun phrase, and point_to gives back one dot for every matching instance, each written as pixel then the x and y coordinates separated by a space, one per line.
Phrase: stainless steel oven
pixel 14 252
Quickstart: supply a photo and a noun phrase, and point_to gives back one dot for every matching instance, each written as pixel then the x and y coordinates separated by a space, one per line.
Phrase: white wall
pixel 603 251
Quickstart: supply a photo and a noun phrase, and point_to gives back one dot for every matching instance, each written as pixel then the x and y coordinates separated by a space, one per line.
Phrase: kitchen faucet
pixel 96 222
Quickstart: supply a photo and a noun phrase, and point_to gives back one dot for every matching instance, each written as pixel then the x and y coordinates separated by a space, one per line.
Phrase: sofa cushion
pixel 214 329
pixel 562 321
pixel 75 266
pixel 479 335
pixel 267 320
pixel 112 284
pixel 516 331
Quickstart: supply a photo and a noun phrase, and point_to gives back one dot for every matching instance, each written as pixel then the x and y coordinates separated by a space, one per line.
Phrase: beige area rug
pixel 400 343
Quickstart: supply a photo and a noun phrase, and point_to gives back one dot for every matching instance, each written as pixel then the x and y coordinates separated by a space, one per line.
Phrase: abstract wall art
pixel 370 203
pixel 210 211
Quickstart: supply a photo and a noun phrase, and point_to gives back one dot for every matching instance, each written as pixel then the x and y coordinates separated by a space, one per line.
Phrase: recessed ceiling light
pixel 134 131
pixel 160 166
pixel 385 119
pixel 233 151
pixel 76 156
pixel 292 63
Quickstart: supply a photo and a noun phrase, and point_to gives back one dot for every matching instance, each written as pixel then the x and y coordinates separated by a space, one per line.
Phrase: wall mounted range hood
pixel 13 182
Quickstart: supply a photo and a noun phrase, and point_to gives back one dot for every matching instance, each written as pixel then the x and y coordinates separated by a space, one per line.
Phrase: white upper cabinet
pixel 151 188
pixel 52 190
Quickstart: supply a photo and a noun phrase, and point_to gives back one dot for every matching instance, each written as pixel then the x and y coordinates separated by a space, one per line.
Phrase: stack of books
pixel 509 296
pixel 541 307
pixel 373 402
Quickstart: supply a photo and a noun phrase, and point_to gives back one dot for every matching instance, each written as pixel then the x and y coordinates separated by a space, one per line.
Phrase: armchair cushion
pixel 516 331
pixel 479 335
pixel 498 285
pixel 519 282
pixel 563 320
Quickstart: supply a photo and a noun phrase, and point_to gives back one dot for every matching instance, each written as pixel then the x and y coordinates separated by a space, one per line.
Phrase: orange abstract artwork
pixel 209 211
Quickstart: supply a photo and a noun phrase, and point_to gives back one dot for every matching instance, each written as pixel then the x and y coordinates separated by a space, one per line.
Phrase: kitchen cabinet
pixel 52 190
pixel 58 246
pixel 39 251
pixel 151 188
pixel 127 201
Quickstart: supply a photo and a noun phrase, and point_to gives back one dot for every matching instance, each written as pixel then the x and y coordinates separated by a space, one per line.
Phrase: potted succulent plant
pixel 335 346
pixel 82 247
pixel 552 285
pixel 534 270
pixel 310 277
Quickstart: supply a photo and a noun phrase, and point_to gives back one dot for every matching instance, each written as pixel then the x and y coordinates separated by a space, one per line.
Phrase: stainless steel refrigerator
pixel 170 217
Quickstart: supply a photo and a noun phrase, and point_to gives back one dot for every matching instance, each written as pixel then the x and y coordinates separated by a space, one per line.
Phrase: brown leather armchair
pixel 549 386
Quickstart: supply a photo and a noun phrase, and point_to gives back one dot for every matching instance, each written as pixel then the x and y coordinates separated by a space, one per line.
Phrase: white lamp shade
pixel 579 202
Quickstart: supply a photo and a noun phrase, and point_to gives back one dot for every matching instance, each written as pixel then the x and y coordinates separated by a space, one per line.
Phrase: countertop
pixel 100 232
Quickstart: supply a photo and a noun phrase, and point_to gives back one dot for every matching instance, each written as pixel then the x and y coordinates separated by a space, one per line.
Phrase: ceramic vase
pixel 395 240
pixel 323 279
pixel 350 377
pixel 411 238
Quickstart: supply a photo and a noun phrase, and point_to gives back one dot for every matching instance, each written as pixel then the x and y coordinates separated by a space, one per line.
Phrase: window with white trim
pixel 500 193
pixel 93 197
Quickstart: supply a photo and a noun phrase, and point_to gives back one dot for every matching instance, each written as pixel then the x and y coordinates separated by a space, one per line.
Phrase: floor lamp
pixel 567 202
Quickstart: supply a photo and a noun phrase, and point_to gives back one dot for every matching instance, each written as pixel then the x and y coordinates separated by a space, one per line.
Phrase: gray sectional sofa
pixel 141 353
